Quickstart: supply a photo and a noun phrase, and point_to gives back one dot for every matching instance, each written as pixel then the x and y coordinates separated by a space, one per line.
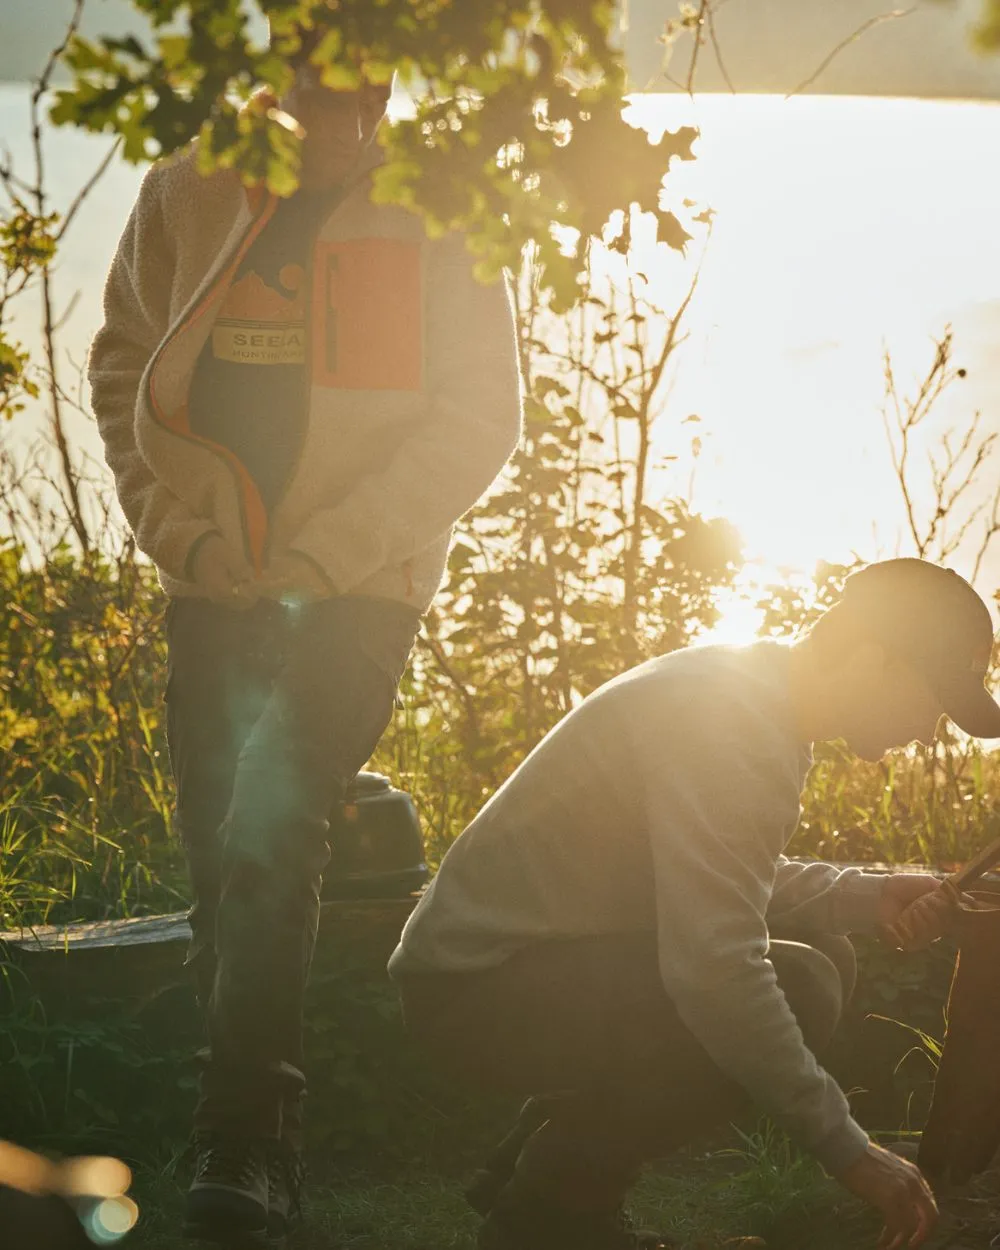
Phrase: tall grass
pixel 85 789
pixel 936 805
pixel 84 784
pixel 539 608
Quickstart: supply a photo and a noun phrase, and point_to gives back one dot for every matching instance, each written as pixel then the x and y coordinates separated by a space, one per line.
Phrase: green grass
pixel 705 1203
pixel 760 1187
pixel 421 1211
pixel 750 1188
pixel 698 1201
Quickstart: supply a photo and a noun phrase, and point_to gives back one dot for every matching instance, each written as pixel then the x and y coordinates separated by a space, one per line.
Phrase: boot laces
pixel 286 1167
pixel 226 1160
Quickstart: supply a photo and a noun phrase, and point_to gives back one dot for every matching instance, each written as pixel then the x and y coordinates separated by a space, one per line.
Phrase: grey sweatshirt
pixel 662 804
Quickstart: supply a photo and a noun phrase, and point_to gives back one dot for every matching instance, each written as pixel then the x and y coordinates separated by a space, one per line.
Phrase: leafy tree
pixel 585 559
pixel 25 247
pixel 519 104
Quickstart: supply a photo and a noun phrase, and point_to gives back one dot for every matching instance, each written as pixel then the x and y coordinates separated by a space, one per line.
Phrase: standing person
pixel 298 398
pixel 618 934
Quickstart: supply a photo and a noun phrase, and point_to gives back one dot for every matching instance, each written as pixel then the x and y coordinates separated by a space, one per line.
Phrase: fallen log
pixel 137 959
pixel 134 961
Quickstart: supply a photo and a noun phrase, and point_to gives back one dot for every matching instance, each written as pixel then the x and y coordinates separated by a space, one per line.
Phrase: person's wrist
pixel 842 1148
pixel 318 575
pixel 196 550
pixel 858 901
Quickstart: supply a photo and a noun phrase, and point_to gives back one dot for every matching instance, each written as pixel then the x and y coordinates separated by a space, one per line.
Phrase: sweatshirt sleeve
pixel 136 319
pixel 471 427
pixel 721 795
pixel 821 898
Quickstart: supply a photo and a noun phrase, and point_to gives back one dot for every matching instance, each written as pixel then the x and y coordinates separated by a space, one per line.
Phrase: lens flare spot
pixel 110 1220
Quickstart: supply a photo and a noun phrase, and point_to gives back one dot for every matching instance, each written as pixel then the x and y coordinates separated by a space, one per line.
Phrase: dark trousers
pixel 270 713
pixel 586 1027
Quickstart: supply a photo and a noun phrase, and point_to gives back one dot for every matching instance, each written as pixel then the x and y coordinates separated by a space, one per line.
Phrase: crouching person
pixel 618 937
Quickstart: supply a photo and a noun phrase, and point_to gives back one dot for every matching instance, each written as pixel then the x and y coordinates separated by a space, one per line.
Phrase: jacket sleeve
pixel 472 425
pixel 821 898
pixel 716 820
pixel 136 319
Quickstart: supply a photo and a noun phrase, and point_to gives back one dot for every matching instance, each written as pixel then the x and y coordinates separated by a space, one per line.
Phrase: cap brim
pixel 974 710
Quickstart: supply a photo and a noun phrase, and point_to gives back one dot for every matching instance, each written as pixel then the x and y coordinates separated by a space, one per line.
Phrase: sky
pixel 843 224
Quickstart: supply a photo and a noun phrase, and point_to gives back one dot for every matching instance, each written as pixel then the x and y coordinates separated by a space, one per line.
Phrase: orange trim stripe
pixel 254 512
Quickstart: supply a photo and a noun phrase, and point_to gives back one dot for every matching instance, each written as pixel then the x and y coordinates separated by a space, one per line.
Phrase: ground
pixel 122 1084
pixel 754 1192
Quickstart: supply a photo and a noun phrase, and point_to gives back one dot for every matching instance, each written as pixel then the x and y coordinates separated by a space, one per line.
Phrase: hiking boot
pixel 537 1225
pixel 285 1177
pixel 227 1202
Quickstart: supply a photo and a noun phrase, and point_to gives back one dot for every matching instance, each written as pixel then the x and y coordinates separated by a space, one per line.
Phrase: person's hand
pixel 223 575
pixel 293 577
pixel 930 911
pixel 898 1190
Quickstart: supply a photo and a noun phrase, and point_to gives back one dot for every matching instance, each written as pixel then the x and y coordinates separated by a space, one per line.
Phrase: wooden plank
pixel 100 933
pixel 359 916
pixel 356 917
pixel 136 962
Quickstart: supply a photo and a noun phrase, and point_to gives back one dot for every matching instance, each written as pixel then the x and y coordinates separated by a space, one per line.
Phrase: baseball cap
pixel 934 620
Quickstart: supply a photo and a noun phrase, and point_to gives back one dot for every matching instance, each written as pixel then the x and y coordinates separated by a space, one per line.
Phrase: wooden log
pixel 136 961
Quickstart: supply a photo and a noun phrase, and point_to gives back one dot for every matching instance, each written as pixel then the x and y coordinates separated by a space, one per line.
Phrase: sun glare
pixel 843 227
pixel 739 620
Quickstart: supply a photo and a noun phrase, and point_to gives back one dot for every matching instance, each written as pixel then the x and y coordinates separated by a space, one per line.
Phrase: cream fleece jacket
pixel 401 439
pixel 663 804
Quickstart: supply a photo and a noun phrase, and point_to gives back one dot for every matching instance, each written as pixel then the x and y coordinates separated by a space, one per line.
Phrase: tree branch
pixel 49 323
pixel 717 49
pixel 699 38
pixel 863 29
pixel 86 189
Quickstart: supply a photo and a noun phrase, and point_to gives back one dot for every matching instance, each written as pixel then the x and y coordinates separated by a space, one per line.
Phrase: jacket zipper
pixel 246 488
pixel 309 277
pixel 307 324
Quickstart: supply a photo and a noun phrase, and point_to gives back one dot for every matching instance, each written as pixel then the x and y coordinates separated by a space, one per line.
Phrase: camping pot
pixel 376 844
